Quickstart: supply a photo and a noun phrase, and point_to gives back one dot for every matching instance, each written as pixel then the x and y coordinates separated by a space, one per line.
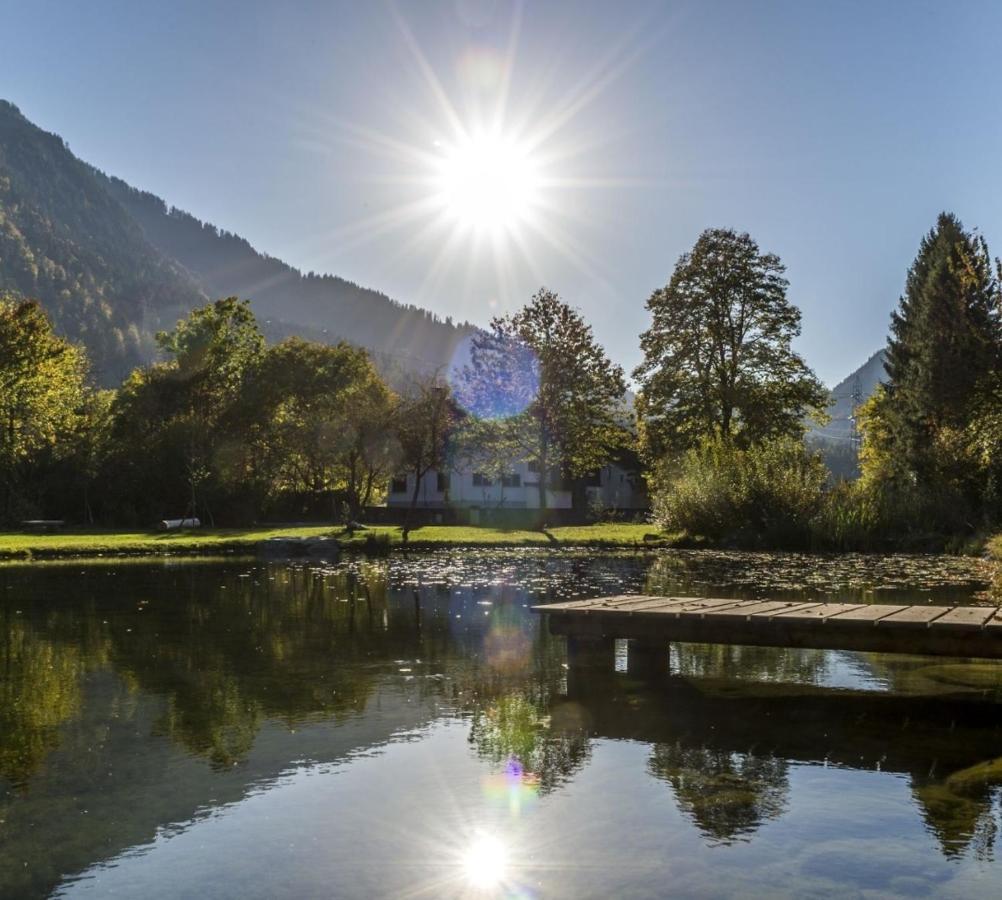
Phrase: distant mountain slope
pixel 113 265
pixel 865 379
pixel 834 440
pixel 225 263
pixel 65 240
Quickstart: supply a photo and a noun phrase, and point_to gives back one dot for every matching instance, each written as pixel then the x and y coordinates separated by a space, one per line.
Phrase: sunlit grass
pixel 95 543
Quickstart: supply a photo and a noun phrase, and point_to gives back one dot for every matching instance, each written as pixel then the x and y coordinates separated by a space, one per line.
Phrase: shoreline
pixel 313 541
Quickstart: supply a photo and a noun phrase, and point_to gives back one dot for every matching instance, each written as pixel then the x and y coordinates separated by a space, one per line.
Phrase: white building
pixel 612 488
pixel 517 490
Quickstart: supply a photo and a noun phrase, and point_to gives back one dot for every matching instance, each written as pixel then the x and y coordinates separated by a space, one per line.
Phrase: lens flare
pixel 514 787
pixel 493 377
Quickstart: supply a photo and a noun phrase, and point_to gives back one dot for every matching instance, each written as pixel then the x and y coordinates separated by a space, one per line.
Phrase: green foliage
pixel 42 400
pixel 317 420
pixel 228 427
pixel 425 421
pixel 930 456
pixel 718 361
pixel 851 517
pixel 543 367
pixel 763 495
pixel 946 336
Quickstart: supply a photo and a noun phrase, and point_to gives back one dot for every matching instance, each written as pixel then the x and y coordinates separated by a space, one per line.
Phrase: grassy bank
pixel 91 543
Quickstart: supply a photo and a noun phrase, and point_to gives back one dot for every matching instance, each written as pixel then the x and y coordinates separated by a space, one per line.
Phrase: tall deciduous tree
pixel 317 421
pixel 718 360
pixel 42 393
pixel 543 366
pixel 426 420
pixel 169 419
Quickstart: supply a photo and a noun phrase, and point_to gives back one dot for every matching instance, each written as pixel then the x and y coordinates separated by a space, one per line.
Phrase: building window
pixel 533 467
pixel 399 485
pixel 481 480
pixel 511 480
pixel 442 482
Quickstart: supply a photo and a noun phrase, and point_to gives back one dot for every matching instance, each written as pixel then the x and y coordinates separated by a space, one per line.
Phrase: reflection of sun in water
pixel 485 862
pixel 488 182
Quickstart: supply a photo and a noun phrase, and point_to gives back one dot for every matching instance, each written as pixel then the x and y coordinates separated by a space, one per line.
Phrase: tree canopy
pixel 42 395
pixel 932 436
pixel 543 367
pixel 718 356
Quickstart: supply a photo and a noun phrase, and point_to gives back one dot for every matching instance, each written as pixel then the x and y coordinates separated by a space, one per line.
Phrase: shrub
pixel 849 518
pixel 765 495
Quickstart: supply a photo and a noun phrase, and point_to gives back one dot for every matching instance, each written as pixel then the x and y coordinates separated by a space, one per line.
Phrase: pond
pixel 408 727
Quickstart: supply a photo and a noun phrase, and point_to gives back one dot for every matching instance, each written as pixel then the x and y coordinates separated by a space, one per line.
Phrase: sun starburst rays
pixel 481 191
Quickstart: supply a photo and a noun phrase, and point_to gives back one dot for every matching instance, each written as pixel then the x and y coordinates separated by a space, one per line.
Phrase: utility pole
pixel 855 438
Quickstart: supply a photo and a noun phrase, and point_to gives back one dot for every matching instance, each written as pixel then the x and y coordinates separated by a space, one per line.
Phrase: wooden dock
pixel 972 631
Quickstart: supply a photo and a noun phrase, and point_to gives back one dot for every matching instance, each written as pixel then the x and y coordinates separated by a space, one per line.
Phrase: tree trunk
pixel 544 458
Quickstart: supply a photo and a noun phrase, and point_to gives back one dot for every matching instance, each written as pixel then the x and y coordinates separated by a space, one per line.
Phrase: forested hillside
pixel 225 264
pixel 65 240
pixel 112 265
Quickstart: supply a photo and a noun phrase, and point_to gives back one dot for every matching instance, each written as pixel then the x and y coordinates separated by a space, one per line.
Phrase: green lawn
pixel 20 545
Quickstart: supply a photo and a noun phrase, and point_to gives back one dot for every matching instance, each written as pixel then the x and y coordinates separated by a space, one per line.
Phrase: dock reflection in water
pixel 408 726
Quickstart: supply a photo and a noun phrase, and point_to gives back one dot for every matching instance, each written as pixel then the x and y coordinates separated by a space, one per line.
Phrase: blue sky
pixel 832 132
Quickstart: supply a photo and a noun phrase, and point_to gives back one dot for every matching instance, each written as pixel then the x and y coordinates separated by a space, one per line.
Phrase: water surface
pixel 408 727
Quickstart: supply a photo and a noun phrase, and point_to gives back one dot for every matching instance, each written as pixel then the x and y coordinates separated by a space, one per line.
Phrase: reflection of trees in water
pixel 959 822
pixel 515 728
pixel 223 653
pixel 741 662
pixel 40 686
pixel 39 691
pixel 228 650
pixel 961 809
pixel 509 690
pixel 727 795
pixel 285 648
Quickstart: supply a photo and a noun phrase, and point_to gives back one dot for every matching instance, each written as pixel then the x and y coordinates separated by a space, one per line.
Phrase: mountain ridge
pixel 113 264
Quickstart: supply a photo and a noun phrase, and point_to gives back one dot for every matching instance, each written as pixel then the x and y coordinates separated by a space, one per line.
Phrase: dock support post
pixel 591 652
pixel 591 662
pixel 647 659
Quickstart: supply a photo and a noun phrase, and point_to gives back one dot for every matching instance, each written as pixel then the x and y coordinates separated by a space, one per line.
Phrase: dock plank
pixel 874 613
pixel 965 617
pixel 916 615
pixel 744 610
pixel 701 609
pixel 818 613
pixel 643 603
pixel 787 608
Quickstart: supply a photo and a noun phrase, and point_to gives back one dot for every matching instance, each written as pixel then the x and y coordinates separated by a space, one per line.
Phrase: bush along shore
pixel 320 540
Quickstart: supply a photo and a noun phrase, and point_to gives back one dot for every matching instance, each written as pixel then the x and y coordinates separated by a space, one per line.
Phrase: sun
pixel 487 182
